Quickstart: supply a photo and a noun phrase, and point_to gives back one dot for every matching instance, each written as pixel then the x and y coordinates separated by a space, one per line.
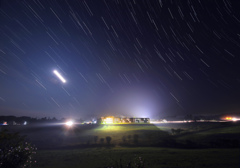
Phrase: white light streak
pixel 59 76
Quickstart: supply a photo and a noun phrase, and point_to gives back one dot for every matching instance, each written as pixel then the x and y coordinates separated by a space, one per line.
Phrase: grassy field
pixel 192 135
pixel 152 158
pixel 198 145
pixel 86 135
pixel 227 135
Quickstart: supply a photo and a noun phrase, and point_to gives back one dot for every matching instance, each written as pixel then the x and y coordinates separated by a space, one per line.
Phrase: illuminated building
pixel 118 120
pixel 140 120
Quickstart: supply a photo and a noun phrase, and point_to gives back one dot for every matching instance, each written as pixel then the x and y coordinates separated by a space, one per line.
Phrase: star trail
pixel 144 58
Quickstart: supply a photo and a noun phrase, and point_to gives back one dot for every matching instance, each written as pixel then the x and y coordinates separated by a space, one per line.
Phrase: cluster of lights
pixel 231 119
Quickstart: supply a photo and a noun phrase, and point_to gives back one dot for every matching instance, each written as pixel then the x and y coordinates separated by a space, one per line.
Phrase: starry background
pixel 142 58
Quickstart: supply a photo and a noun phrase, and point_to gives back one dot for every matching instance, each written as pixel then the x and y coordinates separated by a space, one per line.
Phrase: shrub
pixel 15 152
pixel 102 140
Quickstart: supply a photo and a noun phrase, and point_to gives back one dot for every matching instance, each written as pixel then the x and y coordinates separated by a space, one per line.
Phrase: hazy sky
pixel 142 58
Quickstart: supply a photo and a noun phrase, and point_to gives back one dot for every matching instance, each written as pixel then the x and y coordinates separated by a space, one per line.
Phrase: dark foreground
pixel 146 157
pixel 164 145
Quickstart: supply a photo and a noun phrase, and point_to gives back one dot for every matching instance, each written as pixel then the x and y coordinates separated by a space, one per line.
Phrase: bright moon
pixel 59 76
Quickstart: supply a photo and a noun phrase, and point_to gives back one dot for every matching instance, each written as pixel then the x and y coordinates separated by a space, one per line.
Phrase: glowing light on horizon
pixel 228 118
pixel 59 76
pixel 232 119
pixel 69 123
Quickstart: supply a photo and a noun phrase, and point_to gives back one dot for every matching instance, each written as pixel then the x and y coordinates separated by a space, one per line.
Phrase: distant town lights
pixel 232 119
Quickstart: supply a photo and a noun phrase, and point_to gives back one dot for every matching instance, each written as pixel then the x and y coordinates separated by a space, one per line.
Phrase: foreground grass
pixel 220 135
pixel 153 157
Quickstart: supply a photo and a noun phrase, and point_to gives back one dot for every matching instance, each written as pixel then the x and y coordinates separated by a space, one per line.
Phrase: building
pixel 125 120
pixel 140 120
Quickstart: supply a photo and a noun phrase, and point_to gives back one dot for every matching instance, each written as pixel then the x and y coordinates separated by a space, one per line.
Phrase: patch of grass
pixel 221 137
pixel 228 130
pixel 212 132
pixel 145 133
pixel 153 157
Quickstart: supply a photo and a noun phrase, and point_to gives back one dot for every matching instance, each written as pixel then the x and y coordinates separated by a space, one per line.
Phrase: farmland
pixel 195 145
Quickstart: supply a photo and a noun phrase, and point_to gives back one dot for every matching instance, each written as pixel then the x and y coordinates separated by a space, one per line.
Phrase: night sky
pixel 138 58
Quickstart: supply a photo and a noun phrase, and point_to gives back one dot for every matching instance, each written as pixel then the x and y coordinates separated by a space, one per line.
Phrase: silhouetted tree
pixel 102 140
pixel 108 139
pixel 95 138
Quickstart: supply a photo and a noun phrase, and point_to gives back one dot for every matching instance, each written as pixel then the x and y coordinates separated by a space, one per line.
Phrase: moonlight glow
pixel 59 76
